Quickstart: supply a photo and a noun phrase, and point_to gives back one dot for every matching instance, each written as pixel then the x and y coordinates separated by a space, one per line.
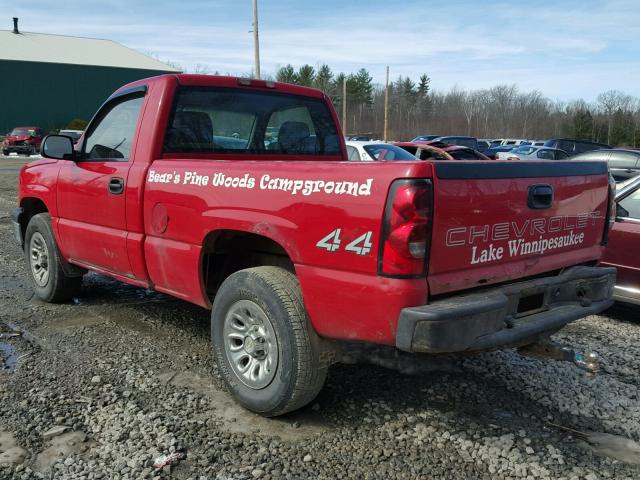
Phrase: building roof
pixel 42 47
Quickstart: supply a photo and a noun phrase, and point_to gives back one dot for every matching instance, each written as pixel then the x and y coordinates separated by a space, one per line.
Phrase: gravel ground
pixel 100 388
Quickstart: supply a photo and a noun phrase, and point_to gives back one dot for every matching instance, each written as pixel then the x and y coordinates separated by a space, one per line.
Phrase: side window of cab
pixel 111 136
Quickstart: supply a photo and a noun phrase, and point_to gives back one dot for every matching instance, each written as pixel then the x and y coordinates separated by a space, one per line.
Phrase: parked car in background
pixel 495 150
pixel 23 141
pixel 624 239
pixel 425 138
pixel 371 151
pixel 74 134
pixel 527 152
pixel 436 150
pixel 469 142
pixel 574 147
pixel 623 163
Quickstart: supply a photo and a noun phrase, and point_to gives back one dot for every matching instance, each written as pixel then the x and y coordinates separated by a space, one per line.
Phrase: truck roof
pixel 229 82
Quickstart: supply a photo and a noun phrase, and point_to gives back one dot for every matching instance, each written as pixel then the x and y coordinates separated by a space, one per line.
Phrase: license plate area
pixel 530 304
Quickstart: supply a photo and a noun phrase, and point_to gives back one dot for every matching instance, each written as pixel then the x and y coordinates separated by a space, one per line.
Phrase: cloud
pixel 558 47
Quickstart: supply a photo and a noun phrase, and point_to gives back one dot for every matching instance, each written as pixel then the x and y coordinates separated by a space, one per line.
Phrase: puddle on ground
pixel 612 446
pixel 8 358
pixel 294 426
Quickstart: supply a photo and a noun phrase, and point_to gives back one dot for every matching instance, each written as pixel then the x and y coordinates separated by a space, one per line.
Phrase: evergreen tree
pixel 306 75
pixel 287 75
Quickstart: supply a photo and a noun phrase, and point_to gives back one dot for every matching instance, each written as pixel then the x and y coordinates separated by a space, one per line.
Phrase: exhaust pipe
pixel 15 25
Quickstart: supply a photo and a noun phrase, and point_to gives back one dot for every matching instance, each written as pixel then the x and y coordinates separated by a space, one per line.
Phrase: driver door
pixel 91 192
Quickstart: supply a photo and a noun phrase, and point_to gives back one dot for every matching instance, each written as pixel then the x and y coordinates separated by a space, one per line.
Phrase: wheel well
pixel 227 251
pixel 30 207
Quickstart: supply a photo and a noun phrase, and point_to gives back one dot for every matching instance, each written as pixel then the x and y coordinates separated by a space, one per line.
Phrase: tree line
pixel 502 111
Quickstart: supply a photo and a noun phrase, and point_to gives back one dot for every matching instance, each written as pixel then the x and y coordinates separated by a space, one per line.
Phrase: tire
pixel 287 368
pixel 44 262
pixel 5 153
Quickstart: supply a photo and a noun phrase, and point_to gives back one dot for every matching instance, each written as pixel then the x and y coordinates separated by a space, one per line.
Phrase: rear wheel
pixel 270 357
pixel 45 262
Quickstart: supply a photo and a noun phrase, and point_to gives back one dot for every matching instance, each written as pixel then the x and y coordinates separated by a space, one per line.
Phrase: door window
pixel 111 137
pixel 352 153
pixel 630 206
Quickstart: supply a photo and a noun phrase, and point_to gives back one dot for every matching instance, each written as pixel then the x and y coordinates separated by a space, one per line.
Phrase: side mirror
pixel 58 147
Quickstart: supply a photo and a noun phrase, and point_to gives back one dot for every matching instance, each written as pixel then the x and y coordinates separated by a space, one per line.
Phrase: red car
pixel 624 238
pixel 441 151
pixel 23 140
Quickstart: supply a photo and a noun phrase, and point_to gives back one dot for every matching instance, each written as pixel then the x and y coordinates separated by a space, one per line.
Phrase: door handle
pixel 540 197
pixel 116 185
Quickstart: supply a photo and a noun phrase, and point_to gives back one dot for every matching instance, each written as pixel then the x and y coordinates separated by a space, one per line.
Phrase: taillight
pixel 611 210
pixel 406 231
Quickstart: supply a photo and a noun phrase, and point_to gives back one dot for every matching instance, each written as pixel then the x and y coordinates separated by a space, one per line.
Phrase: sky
pixel 566 49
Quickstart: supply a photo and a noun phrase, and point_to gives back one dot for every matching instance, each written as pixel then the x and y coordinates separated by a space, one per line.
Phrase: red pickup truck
pixel 177 187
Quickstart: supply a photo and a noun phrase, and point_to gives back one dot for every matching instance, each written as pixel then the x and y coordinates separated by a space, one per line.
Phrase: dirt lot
pixel 102 387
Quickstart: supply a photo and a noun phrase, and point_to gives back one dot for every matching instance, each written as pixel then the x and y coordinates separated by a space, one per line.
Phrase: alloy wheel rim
pixel 250 344
pixel 39 259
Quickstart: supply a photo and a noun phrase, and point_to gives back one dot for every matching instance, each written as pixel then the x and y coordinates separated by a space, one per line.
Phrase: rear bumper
pixel 490 319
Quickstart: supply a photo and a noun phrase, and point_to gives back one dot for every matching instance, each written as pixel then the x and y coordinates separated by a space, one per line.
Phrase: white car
pixel 375 150
pixel 527 152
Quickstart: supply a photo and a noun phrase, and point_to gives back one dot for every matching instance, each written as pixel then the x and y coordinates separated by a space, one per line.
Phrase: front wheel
pixel 270 357
pixel 45 262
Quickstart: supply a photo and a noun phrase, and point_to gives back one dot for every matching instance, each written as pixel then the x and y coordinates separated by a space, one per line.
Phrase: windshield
pixel 24 131
pixel 384 151
pixel 224 120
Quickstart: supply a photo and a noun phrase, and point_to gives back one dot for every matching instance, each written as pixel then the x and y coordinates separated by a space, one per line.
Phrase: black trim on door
pixel 452 170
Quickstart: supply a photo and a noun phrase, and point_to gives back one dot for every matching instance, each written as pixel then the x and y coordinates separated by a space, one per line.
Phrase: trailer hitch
pixel 547 349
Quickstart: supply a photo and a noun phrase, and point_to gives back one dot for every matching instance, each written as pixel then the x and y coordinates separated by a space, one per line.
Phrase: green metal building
pixel 48 80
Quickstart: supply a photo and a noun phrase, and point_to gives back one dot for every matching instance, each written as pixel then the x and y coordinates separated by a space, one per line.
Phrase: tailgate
pixel 499 221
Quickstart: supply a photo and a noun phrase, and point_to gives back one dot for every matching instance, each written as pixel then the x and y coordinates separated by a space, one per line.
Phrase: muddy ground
pixel 103 386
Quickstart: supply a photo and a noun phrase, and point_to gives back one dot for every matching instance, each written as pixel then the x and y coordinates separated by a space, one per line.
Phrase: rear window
pixel 388 152
pixel 463 142
pixel 465 154
pixel 411 150
pixel 218 120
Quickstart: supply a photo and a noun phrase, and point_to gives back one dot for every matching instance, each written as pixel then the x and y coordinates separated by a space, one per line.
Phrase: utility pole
pixel 386 105
pixel 256 40
pixel 344 105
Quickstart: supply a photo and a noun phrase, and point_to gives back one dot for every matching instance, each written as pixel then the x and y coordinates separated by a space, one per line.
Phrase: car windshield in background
pixel 387 152
pixel 222 120
pixel 22 131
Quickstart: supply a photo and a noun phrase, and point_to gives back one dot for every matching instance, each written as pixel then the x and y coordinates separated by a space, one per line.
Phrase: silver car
pixel 527 152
